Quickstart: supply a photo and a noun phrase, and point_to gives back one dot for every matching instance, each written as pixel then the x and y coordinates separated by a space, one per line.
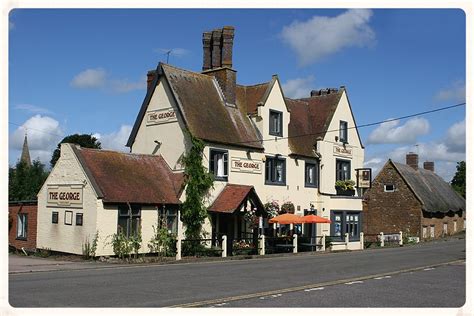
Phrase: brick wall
pixel 391 212
pixel 31 210
pixel 438 221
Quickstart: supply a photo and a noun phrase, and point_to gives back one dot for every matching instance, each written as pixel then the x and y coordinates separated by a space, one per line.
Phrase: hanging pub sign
pixel 246 165
pixel 64 195
pixel 161 116
pixel 342 151
pixel 364 178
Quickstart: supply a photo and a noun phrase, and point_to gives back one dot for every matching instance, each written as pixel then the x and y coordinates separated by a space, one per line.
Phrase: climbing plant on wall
pixel 198 182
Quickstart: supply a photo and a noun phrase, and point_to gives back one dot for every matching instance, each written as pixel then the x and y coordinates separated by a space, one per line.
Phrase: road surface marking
pixel 304 287
pixel 428 269
pixel 314 289
pixel 383 277
pixel 354 282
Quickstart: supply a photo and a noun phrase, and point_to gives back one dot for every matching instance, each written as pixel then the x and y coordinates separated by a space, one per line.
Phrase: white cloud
pixel 322 36
pixel 44 134
pixel 298 87
pixel 391 133
pixel 99 79
pixel 90 78
pixel 444 152
pixel 123 86
pixel 456 92
pixel 115 140
pixel 32 108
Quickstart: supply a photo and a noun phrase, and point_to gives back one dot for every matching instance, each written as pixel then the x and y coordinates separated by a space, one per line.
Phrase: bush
pixel 163 243
pixel 88 249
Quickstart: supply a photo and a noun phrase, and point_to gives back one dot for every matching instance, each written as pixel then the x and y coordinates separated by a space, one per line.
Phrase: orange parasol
pixel 312 219
pixel 286 219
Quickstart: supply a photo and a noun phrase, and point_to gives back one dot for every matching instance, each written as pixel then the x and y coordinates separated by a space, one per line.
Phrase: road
pixel 242 283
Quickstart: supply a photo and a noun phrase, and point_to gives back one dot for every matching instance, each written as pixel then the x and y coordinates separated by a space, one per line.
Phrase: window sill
pixel 21 238
pixel 275 183
pixel 225 179
pixel 307 185
pixel 276 134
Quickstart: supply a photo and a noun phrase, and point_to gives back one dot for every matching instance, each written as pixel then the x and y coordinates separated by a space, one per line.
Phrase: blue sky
pixel 83 71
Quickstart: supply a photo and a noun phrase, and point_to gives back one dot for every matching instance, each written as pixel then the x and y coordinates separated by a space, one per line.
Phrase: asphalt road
pixel 211 283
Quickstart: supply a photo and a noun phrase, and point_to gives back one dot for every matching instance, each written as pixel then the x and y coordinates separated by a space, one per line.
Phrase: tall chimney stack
pixel 216 48
pixel 227 44
pixel 428 165
pixel 412 160
pixel 206 45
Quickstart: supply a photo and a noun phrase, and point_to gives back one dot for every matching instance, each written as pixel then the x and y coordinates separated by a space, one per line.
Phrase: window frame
pixel 132 213
pixel 316 174
pixel 81 216
pixel 213 163
pixel 271 180
pixel 55 217
pixel 66 218
pixel 24 226
pixel 387 190
pixel 271 131
pixel 343 223
pixel 343 161
pixel 343 134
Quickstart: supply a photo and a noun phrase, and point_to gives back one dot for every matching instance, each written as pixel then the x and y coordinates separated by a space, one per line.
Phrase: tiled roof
pixel 248 97
pixel 434 193
pixel 230 198
pixel 310 116
pixel 121 177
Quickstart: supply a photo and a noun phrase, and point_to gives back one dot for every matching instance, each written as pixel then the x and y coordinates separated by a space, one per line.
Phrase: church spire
pixel 25 154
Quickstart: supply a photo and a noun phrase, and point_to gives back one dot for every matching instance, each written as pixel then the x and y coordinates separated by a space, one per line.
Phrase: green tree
pixel 198 183
pixel 459 180
pixel 83 140
pixel 24 182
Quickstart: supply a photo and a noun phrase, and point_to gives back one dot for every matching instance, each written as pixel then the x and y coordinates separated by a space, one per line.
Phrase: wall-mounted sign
pixel 64 195
pixel 342 151
pixel 161 116
pixel 364 177
pixel 246 165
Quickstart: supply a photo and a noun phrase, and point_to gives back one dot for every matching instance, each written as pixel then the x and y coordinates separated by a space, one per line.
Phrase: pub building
pixel 260 146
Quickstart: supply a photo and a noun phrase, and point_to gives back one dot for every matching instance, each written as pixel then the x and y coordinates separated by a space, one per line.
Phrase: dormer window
pixel 276 123
pixel 343 131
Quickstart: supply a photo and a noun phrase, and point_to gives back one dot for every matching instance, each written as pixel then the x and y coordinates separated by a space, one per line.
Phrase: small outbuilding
pixel 22 225
pixel 415 201
pixel 92 191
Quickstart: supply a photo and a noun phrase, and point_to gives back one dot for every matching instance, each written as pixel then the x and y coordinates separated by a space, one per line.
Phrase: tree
pixel 24 182
pixel 459 180
pixel 83 140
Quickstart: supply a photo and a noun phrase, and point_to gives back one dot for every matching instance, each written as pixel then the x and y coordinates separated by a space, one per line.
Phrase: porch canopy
pixel 234 197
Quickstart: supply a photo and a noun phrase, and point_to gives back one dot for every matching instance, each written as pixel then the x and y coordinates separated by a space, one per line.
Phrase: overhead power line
pixel 35 129
pixel 358 126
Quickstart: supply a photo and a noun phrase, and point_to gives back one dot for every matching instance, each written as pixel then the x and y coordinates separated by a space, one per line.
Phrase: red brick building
pixel 415 201
pixel 22 224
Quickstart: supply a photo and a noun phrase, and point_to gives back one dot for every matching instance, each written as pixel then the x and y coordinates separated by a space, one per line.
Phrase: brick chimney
pixel 217 60
pixel 428 165
pixel 412 160
pixel 150 76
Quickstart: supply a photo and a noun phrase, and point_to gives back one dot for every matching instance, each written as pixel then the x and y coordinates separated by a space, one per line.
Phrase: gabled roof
pixel 248 97
pixel 203 110
pixel 310 116
pixel 435 194
pixel 121 177
pixel 232 197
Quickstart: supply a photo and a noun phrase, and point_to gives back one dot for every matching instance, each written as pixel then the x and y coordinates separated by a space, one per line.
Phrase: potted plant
pixel 345 187
pixel 272 208
pixel 287 207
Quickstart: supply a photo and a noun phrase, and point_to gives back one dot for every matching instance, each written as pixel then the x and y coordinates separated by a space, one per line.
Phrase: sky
pixel 84 70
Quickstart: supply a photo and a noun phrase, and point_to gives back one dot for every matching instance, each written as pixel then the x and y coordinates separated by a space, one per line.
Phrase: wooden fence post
pixel 262 245
pixel 323 242
pixel 346 240
pixel 400 242
pixel 295 243
pixel 361 240
pixel 382 240
pixel 178 248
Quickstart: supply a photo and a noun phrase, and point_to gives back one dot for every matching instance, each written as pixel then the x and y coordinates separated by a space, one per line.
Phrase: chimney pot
pixel 412 160
pixel 428 165
pixel 216 48
pixel 227 44
pixel 150 76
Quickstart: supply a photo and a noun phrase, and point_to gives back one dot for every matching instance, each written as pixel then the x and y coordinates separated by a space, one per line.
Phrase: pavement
pixel 24 264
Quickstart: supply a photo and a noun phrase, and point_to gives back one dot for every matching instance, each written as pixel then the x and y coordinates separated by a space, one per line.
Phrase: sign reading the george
pixel 364 177
pixel 161 116
pixel 64 195
pixel 246 165
pixel 342 151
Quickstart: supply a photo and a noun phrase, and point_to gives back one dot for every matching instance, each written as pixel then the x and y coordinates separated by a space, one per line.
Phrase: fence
pixel 382 239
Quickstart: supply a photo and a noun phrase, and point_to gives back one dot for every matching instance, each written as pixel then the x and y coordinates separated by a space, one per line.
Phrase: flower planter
pixel 347 192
